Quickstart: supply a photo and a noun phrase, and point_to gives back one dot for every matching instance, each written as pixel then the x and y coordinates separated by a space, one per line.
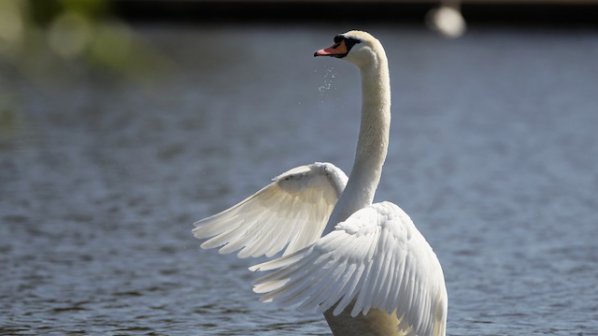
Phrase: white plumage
pixel 364 265
pixel 375 259
pixel 290 212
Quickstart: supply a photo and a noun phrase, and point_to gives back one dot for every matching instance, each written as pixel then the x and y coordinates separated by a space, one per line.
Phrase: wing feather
pixel 350 291
pixel 290 213
pixel 376 259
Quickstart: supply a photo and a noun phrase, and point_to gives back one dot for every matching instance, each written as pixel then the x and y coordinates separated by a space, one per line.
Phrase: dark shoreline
pixel 523 13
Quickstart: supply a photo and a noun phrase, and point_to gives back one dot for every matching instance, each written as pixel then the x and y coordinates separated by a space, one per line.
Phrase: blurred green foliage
pixel 42 37
pixel 47 43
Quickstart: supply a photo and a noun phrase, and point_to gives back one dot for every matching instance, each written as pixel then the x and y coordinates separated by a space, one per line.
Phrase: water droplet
pixel 328 81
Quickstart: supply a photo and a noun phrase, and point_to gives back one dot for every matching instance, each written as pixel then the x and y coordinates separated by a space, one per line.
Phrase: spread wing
pixel 375 259
pixel 290 212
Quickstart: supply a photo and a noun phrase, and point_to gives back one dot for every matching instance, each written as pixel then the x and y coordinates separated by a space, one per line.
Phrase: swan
pixel 364 265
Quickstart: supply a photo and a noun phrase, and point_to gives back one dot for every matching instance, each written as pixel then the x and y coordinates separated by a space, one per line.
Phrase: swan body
pixel 365 266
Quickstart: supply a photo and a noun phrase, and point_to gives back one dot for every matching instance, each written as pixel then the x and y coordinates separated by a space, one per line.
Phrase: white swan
pixel 364 265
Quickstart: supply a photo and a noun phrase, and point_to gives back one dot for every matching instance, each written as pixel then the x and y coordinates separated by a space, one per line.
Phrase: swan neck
pixel 372 144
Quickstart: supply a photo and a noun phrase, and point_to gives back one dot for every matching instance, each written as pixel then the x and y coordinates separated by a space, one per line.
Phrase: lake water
pixel 494 154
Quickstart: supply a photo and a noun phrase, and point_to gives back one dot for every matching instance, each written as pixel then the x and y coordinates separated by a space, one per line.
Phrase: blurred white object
pixel 447 20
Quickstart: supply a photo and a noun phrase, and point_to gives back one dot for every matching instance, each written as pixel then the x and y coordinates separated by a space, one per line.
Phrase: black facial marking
pixel 349 42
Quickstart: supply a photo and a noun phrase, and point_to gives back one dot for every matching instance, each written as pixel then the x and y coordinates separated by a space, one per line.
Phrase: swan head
pixel 357 47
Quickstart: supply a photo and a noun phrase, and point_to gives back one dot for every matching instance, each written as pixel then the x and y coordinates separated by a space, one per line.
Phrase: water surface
pixel 494 154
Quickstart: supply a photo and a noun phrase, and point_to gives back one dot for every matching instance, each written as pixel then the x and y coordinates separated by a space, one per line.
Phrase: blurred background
pixel 122 122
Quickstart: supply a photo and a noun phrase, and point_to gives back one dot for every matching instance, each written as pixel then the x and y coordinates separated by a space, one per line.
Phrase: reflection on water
pixel 493 154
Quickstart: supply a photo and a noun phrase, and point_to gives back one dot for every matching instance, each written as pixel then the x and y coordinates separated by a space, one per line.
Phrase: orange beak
pixel 337 50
